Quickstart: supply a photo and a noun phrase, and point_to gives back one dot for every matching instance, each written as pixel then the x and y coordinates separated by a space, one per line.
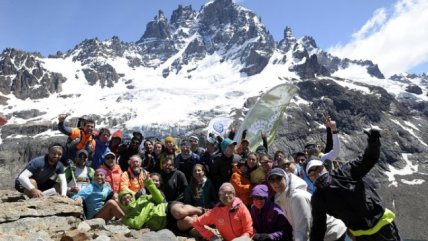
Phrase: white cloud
pixel 396 42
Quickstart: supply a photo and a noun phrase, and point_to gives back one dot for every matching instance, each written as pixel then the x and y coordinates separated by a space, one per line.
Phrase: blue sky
pixel 352 28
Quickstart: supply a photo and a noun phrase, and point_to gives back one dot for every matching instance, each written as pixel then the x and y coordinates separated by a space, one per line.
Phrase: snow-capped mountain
pixel 196 65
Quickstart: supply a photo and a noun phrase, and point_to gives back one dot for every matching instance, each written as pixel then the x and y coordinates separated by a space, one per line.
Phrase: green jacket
pixel 148 211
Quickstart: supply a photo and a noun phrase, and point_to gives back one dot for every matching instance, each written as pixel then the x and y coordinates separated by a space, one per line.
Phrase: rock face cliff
pixel 215 62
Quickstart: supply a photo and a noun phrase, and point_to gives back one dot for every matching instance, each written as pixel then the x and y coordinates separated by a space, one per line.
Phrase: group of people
pixel 249 195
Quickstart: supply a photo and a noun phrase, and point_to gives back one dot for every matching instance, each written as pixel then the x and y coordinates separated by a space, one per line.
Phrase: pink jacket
pixel 231 222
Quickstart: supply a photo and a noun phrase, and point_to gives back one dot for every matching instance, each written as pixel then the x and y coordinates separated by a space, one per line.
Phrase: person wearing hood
pixel 269 219
pixel 295 201
pixel 231 217
pixel 114 172
pixel 174 182
pixel 186 159
pixel 133 178
pixel 96 198
pixel 115 141
pixel 344 194
pixel 101 147
pixel 151 211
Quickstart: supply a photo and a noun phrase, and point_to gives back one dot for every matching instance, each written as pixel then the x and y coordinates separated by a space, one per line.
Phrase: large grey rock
pixel 163 234
pixel 40 207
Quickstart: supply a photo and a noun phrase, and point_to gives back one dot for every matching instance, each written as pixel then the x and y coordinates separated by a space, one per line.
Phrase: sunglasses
pixel 258 198
pixel 286 165
pixel 312 172
pixel 83 156
pixel 275 179
pixel 109 157
pixel 310 147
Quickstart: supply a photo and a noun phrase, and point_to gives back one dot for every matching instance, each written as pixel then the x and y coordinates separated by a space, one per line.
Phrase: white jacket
pixel 296 203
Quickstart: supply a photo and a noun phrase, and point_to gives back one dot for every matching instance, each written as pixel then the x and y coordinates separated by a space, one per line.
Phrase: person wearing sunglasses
pixel 114 173
pixel 230 217
pixel 295 201
pixel 269 220
pixel 78 175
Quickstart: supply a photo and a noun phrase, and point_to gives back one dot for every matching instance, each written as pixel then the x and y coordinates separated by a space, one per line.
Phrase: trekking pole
pixel 72 172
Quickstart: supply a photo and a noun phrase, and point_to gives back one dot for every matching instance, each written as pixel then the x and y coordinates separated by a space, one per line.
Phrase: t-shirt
pixel 82 178
pixel 42 171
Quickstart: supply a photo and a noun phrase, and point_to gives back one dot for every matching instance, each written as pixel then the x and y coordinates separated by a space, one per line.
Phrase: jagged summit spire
pixel 161 16
pixel 288 32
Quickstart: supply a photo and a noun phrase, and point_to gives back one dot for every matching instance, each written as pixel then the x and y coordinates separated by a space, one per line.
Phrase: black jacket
pixel 173 185
pixel 347 196
pixel 222 169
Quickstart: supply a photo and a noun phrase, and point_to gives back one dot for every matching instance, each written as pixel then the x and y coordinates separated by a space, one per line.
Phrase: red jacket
pixel 113 177
pixel 231 222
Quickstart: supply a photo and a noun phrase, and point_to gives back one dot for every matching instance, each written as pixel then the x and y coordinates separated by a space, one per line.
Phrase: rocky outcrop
pixel 59 218
pixel 105 74
pixel 22 74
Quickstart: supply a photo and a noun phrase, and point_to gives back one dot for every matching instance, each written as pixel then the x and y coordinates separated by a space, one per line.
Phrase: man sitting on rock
pixel 78 175
pixel 39 176
pixel 151 211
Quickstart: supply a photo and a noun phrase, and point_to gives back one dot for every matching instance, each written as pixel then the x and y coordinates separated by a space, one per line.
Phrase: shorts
pixel 171 222
pixel 42 187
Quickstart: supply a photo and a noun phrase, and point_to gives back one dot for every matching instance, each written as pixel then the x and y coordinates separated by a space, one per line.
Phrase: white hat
pixel 314 163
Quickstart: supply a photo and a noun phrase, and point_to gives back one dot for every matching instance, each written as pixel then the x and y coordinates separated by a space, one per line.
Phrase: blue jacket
pixel 94 196
pixel 271 220
pixel 101 148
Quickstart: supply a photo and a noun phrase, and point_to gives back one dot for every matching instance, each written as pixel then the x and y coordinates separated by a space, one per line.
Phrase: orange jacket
pixel 242 186
pixel 231 222
pixel 84 139
pixel 113 177
pixel 129 181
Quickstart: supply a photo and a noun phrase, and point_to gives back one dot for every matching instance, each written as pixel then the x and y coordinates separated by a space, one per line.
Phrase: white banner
pixel 219 125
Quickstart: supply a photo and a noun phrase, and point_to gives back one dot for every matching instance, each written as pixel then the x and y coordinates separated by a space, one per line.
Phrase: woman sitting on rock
pixel 200 192
pixel 96 198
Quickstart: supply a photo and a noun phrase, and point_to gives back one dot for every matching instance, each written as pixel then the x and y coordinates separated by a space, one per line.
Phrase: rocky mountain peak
pixel 22 74
pixel 159 28
pixel 182 16
pixel 309 42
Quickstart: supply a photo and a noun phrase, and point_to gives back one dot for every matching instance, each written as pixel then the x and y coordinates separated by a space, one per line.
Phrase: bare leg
pixel 186 223
pixel 180 210
pixel 109 210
